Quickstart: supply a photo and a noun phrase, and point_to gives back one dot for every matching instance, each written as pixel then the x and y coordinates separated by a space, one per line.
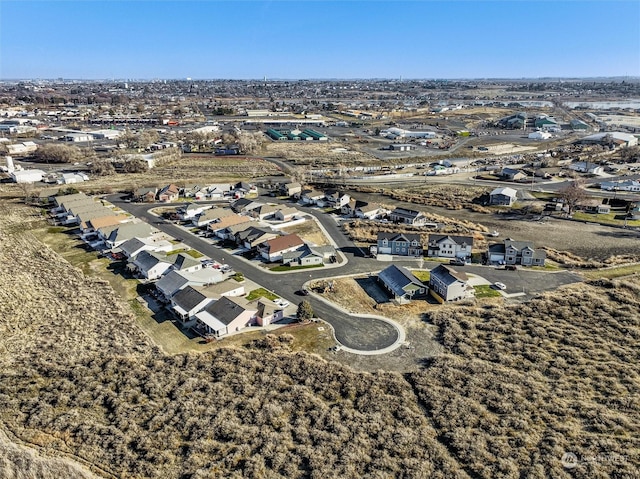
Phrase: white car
pixel 281 302
pixel 499 285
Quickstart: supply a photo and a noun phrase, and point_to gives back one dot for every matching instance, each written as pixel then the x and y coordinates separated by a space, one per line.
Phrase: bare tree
pixel 572 194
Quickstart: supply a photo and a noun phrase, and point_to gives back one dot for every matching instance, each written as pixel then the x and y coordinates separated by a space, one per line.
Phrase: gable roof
pixel 131 230
pixel 518 245
pixel 398 278
pixel 188 298
pixel 448 275
pixel 283 242
pixel 184 261
pixel 227 221
pixel 505 190
pixel 145 260
pixel 407 237
pixel 459 240
pixel 227 309
pixel 101 221
pixel 405 213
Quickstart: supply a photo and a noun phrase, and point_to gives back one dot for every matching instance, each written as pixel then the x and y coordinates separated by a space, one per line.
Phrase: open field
pixel 509 390
pixel 309 231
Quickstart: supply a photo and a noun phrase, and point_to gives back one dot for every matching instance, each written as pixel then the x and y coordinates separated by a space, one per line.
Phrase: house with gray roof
pixel 516 252
pixel 187 302
pixel 185 263
pixel 400 244
pixel 174 281
pixel 401 284
pixel 309 255
pixel 124 232
pixel 151 265
pixel 448 284
pixel 409 217
pixel 191 210
pixel 225 316
pixel 211 215
pixel 134 246
pixel 450 246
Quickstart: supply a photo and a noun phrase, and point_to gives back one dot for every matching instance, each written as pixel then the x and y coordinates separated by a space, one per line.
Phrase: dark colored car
pixel 302 292
pixel 511 267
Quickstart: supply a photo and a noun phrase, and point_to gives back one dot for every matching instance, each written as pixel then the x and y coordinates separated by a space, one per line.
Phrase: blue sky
pixel 318 39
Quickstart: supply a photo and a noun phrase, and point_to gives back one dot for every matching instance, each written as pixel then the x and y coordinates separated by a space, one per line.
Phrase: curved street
pixel 357 333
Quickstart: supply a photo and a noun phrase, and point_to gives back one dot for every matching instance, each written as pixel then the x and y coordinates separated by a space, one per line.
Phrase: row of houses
pixel 172 192
pixel 445 284
pixel 458 247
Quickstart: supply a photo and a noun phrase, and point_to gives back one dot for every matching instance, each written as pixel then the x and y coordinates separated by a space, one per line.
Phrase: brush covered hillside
pixel 83 393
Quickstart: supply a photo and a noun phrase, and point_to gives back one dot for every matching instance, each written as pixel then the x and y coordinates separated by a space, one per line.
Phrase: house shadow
pixel 373 290
pixel 355 251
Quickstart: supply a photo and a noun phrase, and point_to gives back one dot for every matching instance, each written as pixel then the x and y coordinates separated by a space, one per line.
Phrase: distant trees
pixel 305 311
pixel 54 153
pixel 102 168
pixel 250 143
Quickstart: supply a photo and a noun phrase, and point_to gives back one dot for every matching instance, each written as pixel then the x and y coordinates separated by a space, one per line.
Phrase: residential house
pixel 516 252
pixel 504 196
pixel 115 236
pixel 190 190
pixel 311 197
pixel 150 264
pixel 243 205
pixel 594 206
pixel 268 312
pixel 587 167
pixel 291 189
pixel 225 316
pixel 169 193
pixel 273 249
pixel 221 227
pixel 134 246
pixel 251 237
pixel 263 211
pixel 512 174
pixel 91 226
pixel 626 185
pixel 145 195
pixel 447 284
pixel 409 217
pixel 214 192
pixel 450 246
pixel 369 211
pixel 309 255
pixel 337 199
pixel 400 244
pixel 349 209
pixel 211 215
pixel 229 233
pixel 187 302
pixel 174 281
pixel 184 263
pixel 191 210
pixel 401 284
pixel 285 214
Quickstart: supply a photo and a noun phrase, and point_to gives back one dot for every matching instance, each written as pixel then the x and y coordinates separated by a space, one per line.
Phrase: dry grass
pixel 513 388
pixel 309 231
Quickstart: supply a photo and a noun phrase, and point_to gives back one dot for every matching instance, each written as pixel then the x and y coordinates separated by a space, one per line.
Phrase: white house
pixel 503 196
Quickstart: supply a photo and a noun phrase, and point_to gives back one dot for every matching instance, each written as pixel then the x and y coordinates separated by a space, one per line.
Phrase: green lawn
pixel 293 268
pixel 422 275
pixel 256 293
pixel 605 219
pixel 485 291
pixel 191 252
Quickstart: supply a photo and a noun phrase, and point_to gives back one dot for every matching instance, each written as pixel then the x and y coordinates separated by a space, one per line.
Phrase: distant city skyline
pixel 318 39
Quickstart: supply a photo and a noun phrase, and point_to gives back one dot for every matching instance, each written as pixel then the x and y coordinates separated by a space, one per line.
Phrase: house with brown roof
pixel 272 250
pixel 169 193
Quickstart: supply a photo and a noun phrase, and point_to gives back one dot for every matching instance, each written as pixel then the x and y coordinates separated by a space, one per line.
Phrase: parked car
pixel 281 302
pixel 499 285
pixel 457 262
pixel 511 267
pixel 302 292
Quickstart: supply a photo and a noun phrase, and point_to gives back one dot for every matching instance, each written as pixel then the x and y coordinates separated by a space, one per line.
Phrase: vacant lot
pixel 309 231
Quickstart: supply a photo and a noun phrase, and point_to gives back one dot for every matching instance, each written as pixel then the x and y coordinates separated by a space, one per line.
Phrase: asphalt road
pixel 355 332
